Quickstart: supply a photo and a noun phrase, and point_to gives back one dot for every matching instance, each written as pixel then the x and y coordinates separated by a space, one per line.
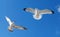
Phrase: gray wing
pixel 20 27
pixel 29 10
pixel 46 11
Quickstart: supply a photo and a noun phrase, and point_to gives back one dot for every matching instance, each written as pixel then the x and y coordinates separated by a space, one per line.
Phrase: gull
pixel 37 14
pixel 12 25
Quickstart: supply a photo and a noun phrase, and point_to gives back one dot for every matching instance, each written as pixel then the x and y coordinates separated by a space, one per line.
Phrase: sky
pixel 48 26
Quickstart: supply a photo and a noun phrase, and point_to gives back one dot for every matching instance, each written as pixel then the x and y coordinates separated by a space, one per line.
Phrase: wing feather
pixel 29 10
pixel 46 11
pixel 20 27
pixel 8 20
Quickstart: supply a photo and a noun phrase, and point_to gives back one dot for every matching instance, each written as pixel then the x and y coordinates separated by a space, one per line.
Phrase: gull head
pixel 10 30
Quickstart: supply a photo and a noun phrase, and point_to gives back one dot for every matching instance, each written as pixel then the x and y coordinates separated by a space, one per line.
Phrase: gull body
pixel 12 25
pixel 37 14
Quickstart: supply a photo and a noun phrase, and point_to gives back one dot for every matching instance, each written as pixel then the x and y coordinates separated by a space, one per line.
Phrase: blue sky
pixel 48 26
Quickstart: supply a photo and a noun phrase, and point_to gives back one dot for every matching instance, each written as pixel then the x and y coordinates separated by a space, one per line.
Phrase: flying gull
pixel 12 25
pixel 38 13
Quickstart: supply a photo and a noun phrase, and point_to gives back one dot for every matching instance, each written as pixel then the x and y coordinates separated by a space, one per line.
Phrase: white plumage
pixel 37 14
pixel 12 25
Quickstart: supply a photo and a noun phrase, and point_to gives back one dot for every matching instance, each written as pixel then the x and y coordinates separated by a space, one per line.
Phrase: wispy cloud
pixel 58 8
pixel 57 32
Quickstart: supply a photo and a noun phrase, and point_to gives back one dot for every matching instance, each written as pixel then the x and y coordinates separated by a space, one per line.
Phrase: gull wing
pixel 8 20
pixel 46 11
pixel 20 27
pixel 29 10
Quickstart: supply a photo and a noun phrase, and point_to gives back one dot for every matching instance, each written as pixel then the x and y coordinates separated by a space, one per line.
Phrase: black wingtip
pixel 24 9
pixel 25 28
pixel 52 12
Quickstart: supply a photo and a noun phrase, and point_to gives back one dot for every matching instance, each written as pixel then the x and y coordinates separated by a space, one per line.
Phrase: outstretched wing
pixel 20 27
pixel 8 20
pixel 29 10
pixel 46 11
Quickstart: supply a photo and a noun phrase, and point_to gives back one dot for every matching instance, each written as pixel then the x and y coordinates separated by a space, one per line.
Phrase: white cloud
pixel 58 9
pixel 57 32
